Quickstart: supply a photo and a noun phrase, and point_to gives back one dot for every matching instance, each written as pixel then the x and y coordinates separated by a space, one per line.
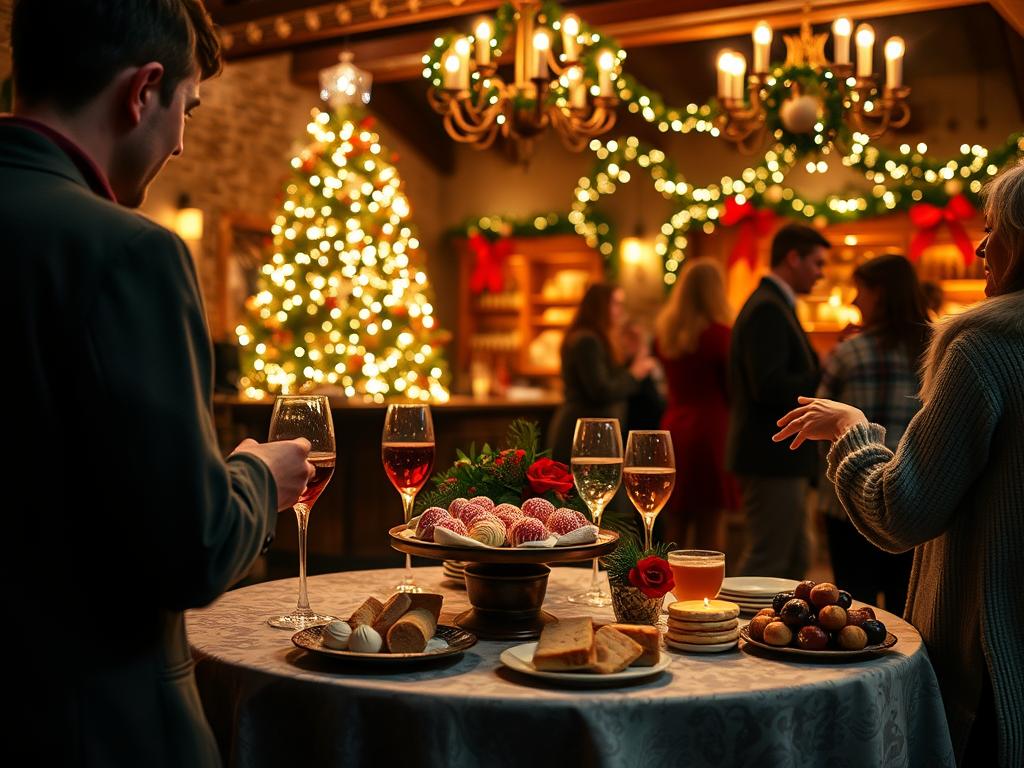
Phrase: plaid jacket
pixel 882 382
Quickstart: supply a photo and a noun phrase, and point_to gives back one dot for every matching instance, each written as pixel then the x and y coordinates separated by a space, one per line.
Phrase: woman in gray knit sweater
pixel 954 491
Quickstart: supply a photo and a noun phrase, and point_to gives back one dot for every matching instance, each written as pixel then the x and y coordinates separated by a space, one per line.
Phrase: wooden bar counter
pixel 349 524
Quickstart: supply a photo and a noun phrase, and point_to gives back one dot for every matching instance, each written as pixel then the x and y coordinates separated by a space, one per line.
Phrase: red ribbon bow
pixel 489 269
pixel 928 218
pixel 754 224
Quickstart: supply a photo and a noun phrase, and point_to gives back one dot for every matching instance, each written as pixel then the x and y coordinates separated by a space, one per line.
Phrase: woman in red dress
pixel 693 345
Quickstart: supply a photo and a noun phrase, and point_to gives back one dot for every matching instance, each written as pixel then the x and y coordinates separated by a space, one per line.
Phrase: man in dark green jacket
pixel 122 500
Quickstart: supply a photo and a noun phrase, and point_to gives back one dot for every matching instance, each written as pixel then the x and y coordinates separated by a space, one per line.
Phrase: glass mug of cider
pixel 698 573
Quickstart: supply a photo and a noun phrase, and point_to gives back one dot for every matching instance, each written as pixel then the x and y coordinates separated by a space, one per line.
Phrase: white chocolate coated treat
pixel 488 530
pixel 336 635
pixel 365 639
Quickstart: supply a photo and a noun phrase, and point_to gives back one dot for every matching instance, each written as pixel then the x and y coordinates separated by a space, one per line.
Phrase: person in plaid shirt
pixel 877 372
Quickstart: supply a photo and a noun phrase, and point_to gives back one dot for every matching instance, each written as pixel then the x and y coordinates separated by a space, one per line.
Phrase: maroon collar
pixel 93 174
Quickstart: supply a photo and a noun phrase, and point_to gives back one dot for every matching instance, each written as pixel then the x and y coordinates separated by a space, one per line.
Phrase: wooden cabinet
pixel 516 333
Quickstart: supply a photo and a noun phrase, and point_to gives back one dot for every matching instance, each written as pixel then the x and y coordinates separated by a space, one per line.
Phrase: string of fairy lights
pixel 344 299
pixel 898 178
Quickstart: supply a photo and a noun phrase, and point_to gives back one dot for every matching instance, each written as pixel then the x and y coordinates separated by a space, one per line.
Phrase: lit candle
pixel 739 72
pixel 841 29
pixel 577 90
pixel 894 49
pixel 724 64
pixel 865 48
pixel 570 29
pixel 762 46
pixel 451 70
pixel 605 65
pixel 706 607
pixel 541 43
pixel 483 34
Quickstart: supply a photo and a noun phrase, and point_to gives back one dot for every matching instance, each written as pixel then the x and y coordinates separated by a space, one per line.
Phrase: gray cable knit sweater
pixel 954 489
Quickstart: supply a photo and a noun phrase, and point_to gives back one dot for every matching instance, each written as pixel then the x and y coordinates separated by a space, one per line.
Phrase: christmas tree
pixel 343 302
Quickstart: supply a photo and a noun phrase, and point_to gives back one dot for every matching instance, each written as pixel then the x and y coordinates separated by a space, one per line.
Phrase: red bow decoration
pixel 489 269
pixel 928 218
pixel 754 223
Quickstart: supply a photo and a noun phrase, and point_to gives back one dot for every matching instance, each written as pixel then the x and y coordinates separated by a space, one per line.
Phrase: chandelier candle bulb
pixel 724 64
pixel 577 89
pixel 451 71
pixel 841 30
pixel 541 44
pixel 762 46
pixel 894 50
pixel 483 33
pixel 739 72
pixel 605 64
pixel 865 49
pixel 462 49
pixel 570 31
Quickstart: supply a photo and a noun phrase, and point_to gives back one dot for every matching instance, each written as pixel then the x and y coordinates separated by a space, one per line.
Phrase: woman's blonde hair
pixel 1004 209
pixel 697 300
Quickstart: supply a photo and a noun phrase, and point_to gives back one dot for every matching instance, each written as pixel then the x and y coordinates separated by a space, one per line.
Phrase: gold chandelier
pixel 549 90
pixel 868 108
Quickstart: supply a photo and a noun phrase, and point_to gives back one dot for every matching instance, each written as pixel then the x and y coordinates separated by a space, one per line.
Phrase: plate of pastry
pixel 404 628
pixel 571 650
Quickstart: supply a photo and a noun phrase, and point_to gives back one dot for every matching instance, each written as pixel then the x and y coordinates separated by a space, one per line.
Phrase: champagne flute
pixel 407 451
pixel 307 416
pixel 597 472
pixel 649 474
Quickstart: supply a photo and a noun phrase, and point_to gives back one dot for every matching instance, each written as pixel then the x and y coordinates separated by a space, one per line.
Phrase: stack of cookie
pixel 702 626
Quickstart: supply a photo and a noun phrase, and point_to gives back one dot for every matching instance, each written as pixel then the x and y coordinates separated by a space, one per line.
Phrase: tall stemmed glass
pixel 307 416
pixel 407 451
pixel 597 471
pixel 649 474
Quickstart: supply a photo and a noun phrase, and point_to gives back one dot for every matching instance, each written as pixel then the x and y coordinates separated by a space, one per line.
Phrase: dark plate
pixel 458 641
pixel 831 653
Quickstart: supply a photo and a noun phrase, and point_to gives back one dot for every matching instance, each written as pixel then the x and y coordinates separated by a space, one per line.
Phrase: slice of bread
pixel 427 600
pixel 615 651
pixel 366 613
pixel 392 611
pixel 648 637
pixel 411 632
pixel 566 645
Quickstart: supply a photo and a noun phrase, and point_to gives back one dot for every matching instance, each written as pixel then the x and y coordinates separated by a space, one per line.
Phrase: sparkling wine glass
pixel 307 416
pixel 649 474
pixel 407 451
pixel 597 471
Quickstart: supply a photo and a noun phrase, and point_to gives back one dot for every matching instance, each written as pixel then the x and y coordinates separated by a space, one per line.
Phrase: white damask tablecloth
pixel 271 704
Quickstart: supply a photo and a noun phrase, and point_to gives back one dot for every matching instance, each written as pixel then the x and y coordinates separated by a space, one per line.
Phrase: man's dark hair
pixel 796 237
pixel 66 51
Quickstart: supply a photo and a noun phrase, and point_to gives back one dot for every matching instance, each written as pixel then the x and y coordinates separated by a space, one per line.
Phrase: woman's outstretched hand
pixel 817 419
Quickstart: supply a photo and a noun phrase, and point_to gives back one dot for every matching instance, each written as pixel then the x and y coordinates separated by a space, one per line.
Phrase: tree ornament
pixel 800 112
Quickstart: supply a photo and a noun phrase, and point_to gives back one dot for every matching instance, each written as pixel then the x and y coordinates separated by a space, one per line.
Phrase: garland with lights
pixel 343 302
pixel 901 181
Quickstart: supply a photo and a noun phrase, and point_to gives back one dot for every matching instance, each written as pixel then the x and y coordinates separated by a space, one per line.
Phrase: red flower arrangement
pixel 652 576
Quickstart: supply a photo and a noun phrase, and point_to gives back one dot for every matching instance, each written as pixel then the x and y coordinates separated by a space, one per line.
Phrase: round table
pixel 271 704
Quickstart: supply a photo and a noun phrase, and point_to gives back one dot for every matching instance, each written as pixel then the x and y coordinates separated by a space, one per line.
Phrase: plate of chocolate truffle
pixel 402 628
pixel 819 621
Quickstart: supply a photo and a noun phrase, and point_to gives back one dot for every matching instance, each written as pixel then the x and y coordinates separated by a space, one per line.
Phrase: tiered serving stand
pixel 505 586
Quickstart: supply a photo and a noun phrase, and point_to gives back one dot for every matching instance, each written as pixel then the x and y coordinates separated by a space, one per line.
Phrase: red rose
pixel 547 475
pixel 652 576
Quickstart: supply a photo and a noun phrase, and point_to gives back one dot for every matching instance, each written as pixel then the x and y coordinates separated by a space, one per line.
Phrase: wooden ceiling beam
pixel 634 23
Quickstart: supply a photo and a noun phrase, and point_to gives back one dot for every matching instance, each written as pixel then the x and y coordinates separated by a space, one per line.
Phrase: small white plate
pixel 757 586
pixel 520 658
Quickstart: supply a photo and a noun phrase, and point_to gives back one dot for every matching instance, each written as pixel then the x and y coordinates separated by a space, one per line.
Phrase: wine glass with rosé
pixel 597 472
pixel 407 451
pixel 307 416
pixel 649 474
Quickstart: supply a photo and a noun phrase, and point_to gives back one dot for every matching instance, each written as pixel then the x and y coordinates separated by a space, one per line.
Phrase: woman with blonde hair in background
pixel 954 491
pixel 692 342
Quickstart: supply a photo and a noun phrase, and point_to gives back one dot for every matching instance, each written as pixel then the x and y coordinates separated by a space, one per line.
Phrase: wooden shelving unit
pixel 520 330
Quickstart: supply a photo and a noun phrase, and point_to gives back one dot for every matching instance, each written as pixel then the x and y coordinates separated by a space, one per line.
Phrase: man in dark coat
pixel 120 493
pixel 772 363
